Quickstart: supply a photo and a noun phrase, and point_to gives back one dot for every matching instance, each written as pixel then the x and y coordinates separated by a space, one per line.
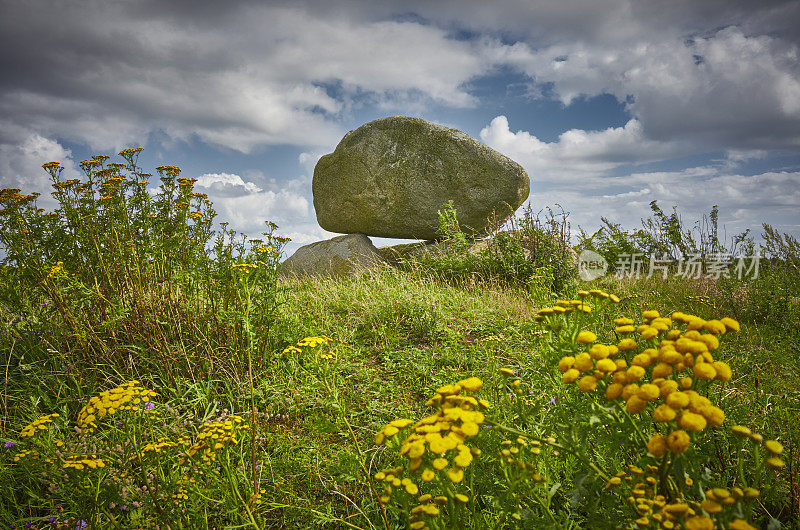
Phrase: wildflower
pixel 40 424
pixel 606 365
pixel 704 371
pixel 473 384
pixel 776 448
pixel 678 441
pixel 9 443
pixel 635 405
pixel 730 324
pixel 661 370
pixel 775 462
pixel 714 415
pixel 657 445
pixel 699 523
pixel 711 506
pixel 570 376
pixel 599 351
pixel 455 474
pixel 614 391
pixel 634 373
pixel 649 333
pixel 583 362
pixel 724 372
pixel 678 400
pixel 691 421
pixel 648 392
pixel 586 337
pixel 588 383
pixel 715 326
pixel 566 363
pixel 506 371
pixel 626 344
pixel 663 413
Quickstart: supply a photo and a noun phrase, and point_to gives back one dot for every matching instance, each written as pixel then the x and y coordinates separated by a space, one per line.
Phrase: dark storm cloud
pixel 694 76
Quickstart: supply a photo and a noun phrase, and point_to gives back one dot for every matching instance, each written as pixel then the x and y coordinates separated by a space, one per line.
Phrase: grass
pixel 214 339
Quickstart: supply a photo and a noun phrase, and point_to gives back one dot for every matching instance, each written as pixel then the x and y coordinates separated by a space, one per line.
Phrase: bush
pixel 529 252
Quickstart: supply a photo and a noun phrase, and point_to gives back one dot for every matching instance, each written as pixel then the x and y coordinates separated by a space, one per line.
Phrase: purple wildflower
pixel 81 525
pixel 51 519
pixel 149 405
pixel 10 443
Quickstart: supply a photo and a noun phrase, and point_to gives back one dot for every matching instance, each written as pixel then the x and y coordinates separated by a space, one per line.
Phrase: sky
pixel 607 104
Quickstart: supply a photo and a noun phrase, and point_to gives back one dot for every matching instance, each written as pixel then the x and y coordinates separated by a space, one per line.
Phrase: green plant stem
pixel 364 470
pixel 602 474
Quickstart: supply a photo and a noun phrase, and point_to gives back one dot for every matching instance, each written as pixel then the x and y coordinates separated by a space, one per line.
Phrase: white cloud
pixel 255 78
pixel 745 201
pixel 577 154
pixel 225 185
pixel 724 90
pixel 21 166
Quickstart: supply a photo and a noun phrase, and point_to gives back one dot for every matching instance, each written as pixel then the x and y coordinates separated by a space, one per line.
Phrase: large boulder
pixel 391 176
pixel 339 256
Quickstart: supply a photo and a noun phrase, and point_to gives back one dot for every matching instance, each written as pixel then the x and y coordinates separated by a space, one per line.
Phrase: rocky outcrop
pixel 339 256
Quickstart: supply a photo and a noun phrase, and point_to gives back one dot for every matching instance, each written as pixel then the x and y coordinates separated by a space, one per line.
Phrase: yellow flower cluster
pixel 653 508
pixel 435 448
pixel 515 453
pixel 774 448
pixel 25 452
pixel 311 342
pixel 186 181
pixel 658 375
pixel 155 447
pixel 127 396
pixel 55 269
pixel 565 306
pixel 256 499
pixel 39 424
pixel 172 171
pixel 212 437
pixel 130 151
pixel 82 461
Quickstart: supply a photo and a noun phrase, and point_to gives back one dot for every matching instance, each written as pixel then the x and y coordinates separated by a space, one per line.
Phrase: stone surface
pixel 339 256
pixel 391 176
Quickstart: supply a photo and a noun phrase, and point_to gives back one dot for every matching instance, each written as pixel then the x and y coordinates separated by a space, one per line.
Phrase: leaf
pixel 553 491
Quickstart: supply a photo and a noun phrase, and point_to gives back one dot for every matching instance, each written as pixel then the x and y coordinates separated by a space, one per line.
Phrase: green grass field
pixel 250 426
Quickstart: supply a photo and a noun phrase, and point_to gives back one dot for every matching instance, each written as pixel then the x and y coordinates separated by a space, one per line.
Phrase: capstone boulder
pixel 391 176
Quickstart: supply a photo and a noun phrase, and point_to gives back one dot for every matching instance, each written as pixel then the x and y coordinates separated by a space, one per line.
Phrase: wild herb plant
pixel 511 437
pixel 644 394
